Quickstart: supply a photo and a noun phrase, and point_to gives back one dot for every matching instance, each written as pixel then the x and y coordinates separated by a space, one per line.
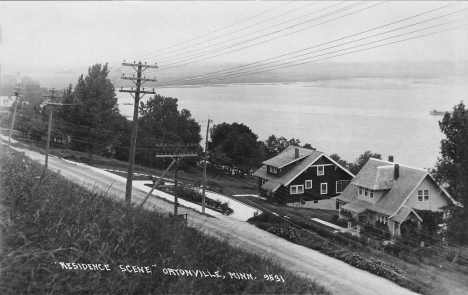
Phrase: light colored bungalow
pixel 389 193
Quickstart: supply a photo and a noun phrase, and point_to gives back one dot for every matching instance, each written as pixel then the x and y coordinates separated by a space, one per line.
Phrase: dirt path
pixel 335 275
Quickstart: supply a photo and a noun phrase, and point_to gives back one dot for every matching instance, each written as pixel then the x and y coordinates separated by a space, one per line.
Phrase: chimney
pixel 296 154
pixel 390 158
pixel 396 172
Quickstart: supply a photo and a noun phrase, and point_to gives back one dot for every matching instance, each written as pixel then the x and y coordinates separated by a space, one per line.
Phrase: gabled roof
pixel 403 213
pixel 302 163
pixel 287 157
pixel 378 175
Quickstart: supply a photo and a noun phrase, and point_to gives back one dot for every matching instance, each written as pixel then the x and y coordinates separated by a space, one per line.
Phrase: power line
pixel 168 66
pixel 308 48
pixel 271 68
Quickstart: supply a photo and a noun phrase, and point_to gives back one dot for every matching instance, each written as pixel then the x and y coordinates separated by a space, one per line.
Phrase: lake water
pixel 347 117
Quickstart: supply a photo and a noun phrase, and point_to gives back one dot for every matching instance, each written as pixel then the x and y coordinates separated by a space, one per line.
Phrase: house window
pixel 371 195
pixel 382 218
pixel 341 185
pixel 361 191
pixel 296 189
pixel 308 184
pixel 273 169
pixel 320 170
pixel 366 193
pixel 423 195
pixel 323 188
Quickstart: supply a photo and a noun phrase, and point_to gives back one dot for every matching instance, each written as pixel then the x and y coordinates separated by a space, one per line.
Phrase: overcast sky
pixel 66 35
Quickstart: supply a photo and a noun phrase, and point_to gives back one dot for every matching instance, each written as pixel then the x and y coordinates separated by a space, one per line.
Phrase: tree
pixel 234 145
pixel 362 160
pixel 309 146
pixel 275 145
pixel 339 160
pixel 452 169
pixel 96 112
pixel 161 121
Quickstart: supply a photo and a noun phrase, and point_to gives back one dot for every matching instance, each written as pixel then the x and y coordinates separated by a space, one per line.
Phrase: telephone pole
pixel 51 98
pixel 139 81
pixel 16 91
pixel 204 166
pixel 177 154
pixel 50 102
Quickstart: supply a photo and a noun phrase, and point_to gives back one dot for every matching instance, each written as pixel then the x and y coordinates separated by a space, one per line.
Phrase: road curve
pixel 335 275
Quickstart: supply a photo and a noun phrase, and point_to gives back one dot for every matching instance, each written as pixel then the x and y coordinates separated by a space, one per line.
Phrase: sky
pixel 61 37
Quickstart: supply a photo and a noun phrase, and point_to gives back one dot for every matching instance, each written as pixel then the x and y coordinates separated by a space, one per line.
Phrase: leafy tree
pixel 96 108
pixel 275 145
pixel 452 169
pixel 234 145
pixel 339 160
pixel 362 160
pixel 308 146
pixel 161 121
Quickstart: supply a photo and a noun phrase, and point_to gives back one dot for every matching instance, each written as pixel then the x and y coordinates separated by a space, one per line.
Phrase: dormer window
pixel 273 169
pixel 320 170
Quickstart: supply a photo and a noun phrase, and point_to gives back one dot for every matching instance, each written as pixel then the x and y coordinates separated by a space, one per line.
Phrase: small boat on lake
pixel 437 113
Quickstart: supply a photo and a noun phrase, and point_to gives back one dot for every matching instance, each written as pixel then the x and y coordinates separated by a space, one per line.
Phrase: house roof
pixel 357 206
pixel 271 185
pixel 302 163
pixel 403 213
pixel 378 175
pixel 287 157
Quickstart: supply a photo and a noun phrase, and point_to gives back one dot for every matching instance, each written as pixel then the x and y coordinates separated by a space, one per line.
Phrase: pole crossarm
pixel 139 64
pixel 138 91
pixel 142 79
pixel 177 155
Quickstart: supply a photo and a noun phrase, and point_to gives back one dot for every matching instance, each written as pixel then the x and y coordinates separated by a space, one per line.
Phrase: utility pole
pixel 51 98
pixel 50 102
pixel 176 156
pixel 16 91
pixel 204 167
pixel 138 80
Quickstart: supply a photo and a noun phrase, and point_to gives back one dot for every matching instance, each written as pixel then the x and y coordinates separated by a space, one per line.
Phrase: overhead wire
pixel 308 48
pixel 174 64
pixel 271 68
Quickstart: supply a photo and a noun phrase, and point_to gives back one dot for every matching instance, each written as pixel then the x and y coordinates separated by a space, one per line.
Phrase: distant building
pixel 5 104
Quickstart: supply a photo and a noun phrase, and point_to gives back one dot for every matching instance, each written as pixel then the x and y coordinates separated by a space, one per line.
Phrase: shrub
pixel 285 231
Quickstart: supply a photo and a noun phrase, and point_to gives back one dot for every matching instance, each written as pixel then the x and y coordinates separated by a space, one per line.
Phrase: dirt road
pixel 335 275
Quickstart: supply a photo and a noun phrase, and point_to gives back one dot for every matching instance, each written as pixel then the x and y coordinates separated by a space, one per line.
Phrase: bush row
pixel 317 237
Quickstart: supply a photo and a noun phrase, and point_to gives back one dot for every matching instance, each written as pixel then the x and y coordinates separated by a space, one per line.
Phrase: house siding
pixel 436 198
pixel 331 175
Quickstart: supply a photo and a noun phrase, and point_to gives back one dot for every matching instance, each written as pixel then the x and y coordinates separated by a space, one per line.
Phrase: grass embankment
pixel 53 220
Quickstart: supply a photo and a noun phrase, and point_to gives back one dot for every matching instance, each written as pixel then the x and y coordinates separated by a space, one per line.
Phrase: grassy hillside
pixel 52 224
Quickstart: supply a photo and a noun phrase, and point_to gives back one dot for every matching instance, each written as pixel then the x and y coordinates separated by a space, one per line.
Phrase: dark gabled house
pixel 302 177
pixel 391 193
